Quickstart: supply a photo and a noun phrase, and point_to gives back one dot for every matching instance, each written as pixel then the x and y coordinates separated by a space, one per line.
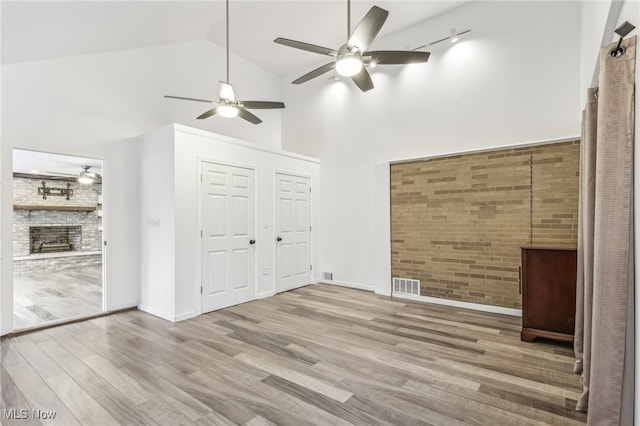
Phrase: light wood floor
pixel 319 355
pixel 46 297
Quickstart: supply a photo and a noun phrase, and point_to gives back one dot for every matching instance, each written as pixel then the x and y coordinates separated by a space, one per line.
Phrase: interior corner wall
pixel 170 213
pixel 506 83
pixel 157 223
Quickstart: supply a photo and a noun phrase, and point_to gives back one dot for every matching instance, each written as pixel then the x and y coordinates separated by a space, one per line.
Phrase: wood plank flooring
pixel 45 297
pixel 319 355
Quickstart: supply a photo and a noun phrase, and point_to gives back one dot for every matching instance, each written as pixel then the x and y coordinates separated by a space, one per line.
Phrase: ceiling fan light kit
pixel 85 180
pixel 352 59
pixel 227 106
pixel 228 110
pixel 349 65
pixel 86 177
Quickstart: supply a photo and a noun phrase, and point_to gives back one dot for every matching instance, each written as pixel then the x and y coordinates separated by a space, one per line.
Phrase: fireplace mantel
pixel 56 208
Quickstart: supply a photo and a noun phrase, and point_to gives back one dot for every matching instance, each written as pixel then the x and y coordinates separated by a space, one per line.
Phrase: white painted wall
pixel 92 106
pixel 121 226
pixel 120 223
pixel 507 82
pixel 171 249
pixel 593 18
pixel 117 95
pixel 157 223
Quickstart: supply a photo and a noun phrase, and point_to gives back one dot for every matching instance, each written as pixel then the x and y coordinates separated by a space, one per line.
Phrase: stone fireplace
pixel 51 239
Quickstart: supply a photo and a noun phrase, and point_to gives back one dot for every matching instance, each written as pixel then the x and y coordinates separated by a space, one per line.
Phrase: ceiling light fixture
pixel 228 106
pixel 453 35
pixel 86 177
pixel 352 58
pixel 85 180
pixel 349 65
pixel 228 110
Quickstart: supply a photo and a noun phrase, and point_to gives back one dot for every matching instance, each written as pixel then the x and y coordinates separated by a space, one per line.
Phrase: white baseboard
pixel 157 313
pixel 266 294
pixel 185 316
pixel 383 292
pixel 458 304
pixel 121 307
pixel 348 284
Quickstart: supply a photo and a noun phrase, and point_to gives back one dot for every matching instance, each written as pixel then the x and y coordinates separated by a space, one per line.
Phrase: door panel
pixel 293 219
pixel 227 218
pixel 215 205
pixel 216 278
pixel 241 221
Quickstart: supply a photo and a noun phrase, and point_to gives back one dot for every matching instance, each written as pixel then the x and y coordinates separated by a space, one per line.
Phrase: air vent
pixel 406 286
pixel 327 276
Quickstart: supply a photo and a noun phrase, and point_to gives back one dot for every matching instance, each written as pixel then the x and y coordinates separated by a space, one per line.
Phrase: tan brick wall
pixel 457 223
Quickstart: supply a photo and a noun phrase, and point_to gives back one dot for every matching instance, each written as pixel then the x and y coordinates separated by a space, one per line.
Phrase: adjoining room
pixel 57 238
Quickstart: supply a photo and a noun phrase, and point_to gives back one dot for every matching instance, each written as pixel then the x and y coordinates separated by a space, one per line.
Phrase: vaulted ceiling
pixel 33 31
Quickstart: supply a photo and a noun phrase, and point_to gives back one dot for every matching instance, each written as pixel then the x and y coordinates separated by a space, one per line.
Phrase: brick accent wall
pixel 87 225
pixel 458 222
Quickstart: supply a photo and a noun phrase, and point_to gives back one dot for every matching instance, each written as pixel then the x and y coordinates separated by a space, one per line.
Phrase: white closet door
pixel 228 246
pixel 293 231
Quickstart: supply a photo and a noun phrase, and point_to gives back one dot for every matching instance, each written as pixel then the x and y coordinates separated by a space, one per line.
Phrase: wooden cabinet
pixel 548 283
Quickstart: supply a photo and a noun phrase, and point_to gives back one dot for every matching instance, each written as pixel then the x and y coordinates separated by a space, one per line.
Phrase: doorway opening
pixel 57 238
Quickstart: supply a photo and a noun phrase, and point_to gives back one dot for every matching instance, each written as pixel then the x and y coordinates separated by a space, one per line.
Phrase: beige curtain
pixel 604 341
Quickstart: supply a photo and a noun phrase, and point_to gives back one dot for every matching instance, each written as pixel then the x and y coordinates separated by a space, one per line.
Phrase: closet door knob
pixel 252 242
pixel 278 239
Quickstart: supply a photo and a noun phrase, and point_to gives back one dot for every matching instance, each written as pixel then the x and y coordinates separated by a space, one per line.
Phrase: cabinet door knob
pixel 252 242
pixel 279 239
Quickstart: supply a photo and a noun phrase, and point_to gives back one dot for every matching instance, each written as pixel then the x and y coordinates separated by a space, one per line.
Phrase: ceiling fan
pixel 352 58
pixel 85 177
pixel 227 105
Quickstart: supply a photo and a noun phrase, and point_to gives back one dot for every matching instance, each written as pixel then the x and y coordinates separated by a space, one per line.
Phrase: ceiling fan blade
pixel 59 174
pixel 188 99
pixel 363 80
pixel 243 113
pixel 262 104
pixel 225 90
pixel 367 29
pixel 397 57
pixel 315 73
pixel 306 46
pixel 207 114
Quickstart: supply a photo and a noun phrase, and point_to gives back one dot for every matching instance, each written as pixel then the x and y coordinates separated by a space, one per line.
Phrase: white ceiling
pixel 33 30
pixel 30 161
